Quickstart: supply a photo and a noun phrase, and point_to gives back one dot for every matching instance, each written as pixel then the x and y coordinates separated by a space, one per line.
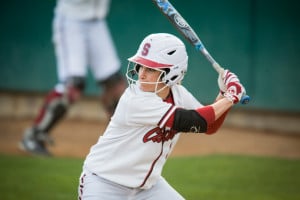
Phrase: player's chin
pixel 147 88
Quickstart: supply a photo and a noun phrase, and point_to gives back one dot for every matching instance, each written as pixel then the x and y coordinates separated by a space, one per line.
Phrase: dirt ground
pixel 73 138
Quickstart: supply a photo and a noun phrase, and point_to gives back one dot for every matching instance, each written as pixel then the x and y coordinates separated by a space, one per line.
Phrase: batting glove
pixel 234 92
pixel 225 78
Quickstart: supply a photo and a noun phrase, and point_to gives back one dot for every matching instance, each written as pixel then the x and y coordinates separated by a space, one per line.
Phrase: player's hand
pixel 235 91
pixel 225 78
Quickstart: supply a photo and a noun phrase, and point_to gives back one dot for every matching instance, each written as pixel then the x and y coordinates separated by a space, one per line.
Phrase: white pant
pixel 93 187
pixel 80 44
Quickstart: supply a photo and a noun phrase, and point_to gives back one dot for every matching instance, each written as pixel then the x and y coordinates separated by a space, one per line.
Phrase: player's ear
pixel 167 70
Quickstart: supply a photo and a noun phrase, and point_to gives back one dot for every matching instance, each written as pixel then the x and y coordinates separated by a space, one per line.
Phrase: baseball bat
pixel 190 35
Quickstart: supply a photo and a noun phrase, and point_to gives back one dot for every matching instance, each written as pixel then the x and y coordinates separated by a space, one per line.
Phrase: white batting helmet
pixel 163 51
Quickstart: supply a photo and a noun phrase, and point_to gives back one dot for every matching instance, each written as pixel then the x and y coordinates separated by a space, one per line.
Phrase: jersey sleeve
pixel 192 116
pixel 184 99
pixel 213 127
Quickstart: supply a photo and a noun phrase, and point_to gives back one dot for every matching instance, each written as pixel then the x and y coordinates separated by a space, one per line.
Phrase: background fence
pixel 258 41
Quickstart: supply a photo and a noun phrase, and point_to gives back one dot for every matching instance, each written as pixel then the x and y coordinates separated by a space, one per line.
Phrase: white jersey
pixel 136 143
pixel 83 9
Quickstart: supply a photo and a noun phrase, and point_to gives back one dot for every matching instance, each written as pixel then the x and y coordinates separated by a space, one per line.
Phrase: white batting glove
pixel 234 92
pixel 225 78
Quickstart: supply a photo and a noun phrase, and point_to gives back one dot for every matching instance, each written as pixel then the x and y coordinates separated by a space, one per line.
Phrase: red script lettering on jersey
pixel 159 134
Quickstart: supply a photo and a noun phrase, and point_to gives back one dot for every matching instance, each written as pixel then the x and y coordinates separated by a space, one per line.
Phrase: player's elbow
pixel 189 121
pixel 210 132
pixel 212 129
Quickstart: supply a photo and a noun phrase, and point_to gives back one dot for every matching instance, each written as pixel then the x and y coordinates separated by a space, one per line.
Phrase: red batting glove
pixel 225 78
pixel 234 92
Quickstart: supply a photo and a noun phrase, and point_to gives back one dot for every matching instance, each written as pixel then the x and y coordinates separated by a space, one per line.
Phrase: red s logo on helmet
pixel 146 49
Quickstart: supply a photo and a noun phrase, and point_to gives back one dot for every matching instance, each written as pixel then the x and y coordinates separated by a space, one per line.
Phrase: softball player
pixel 127 161
pixel 82 39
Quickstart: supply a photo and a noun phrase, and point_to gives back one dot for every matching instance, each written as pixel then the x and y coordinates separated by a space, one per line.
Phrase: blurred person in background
pixel 82 41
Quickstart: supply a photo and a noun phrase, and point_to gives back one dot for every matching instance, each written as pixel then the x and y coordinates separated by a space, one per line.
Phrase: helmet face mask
pixel 133 77
pixel 163 52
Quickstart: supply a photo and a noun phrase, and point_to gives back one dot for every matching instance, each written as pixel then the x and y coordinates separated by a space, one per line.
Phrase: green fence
pixel 258 40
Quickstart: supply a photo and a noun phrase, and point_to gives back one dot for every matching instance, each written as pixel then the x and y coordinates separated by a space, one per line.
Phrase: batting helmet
pixel 164 52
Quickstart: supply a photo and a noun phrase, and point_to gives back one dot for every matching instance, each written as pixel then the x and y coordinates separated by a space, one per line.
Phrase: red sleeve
pixel 208 113
pixel 213 127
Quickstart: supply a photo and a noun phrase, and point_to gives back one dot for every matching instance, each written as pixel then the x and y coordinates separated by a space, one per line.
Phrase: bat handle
pixel 218 67
pixel 245 98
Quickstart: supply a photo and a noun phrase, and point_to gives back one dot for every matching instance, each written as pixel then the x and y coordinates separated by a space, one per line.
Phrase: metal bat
pixel 186 30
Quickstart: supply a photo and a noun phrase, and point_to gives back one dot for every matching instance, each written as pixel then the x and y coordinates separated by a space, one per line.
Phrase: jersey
pixel 136 144
pixel 83 41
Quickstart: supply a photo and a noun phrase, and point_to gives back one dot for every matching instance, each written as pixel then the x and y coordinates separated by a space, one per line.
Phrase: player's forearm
pixel 221 106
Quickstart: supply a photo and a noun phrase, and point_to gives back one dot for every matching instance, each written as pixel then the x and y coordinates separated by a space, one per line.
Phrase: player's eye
pixel 145 69
pixel 137 67
pixel 151 70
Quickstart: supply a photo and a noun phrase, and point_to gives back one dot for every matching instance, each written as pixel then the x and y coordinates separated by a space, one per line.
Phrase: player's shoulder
pixel 180 89
pixel 135 101
pixel 184 98
pixel 134 95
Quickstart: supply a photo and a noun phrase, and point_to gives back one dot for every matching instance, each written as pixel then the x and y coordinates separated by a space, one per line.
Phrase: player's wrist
pixel 221 93
pixel 231 98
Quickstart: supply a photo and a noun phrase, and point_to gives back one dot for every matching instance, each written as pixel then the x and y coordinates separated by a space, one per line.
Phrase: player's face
pixel 148 79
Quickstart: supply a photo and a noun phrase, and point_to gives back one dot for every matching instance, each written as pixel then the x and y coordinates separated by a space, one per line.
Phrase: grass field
pixel 204 177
